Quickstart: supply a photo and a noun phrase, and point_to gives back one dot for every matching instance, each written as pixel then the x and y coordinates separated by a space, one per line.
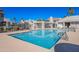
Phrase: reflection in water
pixel 42 33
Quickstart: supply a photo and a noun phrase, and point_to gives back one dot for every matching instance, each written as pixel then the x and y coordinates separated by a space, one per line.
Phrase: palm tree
pixel 23 25
pixel 14 19
pixel 39 19
pixel 14 24
pixel 65 16
pixel 71 11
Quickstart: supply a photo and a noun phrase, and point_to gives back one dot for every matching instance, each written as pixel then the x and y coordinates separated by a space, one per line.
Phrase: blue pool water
pixel 42 38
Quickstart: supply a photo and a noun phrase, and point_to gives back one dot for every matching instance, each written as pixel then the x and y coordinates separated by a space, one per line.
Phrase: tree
pixel 14 24
pixel 14 19
pixel 71 11
pixel 65 16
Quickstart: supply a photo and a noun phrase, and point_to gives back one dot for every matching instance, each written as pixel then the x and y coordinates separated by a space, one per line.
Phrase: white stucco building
pixel 72 20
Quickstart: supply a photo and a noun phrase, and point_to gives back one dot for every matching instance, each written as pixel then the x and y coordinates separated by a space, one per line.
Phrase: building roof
pixel 51 19
pixel 70 19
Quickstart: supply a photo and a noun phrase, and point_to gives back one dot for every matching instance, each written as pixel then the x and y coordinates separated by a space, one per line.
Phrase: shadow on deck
pixel 66 47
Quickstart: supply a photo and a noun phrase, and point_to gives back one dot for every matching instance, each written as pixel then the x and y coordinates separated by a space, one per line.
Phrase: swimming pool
pixel 43 38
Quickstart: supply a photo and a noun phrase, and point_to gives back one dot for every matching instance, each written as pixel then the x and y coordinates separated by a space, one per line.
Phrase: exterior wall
pixel 39 25
pixel 74 24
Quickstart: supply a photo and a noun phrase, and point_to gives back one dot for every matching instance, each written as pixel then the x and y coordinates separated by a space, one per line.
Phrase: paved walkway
pixel 73 38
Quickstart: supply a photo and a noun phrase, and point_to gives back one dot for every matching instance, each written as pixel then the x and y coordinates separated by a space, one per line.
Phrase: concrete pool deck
pixel 73 38
pixel 11 44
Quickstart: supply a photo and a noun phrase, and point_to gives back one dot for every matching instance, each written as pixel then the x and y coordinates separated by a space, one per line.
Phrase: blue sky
pixel 36 12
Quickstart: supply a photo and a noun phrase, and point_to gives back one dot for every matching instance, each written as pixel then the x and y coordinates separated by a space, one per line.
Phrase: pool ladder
pixel 65 36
